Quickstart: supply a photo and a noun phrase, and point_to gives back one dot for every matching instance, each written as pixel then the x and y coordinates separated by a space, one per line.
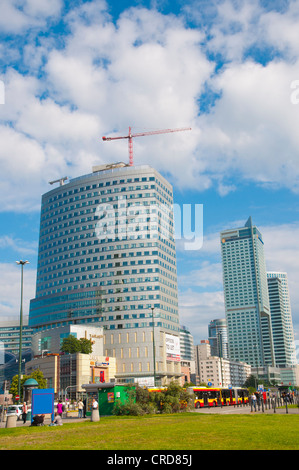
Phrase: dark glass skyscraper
pixel 246 296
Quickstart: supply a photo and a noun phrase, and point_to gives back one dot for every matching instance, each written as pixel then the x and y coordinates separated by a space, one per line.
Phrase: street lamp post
pixel 154 355
pixel 65 391
pixel 22 263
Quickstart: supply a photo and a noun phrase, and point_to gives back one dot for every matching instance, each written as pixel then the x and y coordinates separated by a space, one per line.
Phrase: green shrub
pixel 141 401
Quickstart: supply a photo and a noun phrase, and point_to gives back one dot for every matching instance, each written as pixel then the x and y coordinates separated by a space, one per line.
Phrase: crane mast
pixel 130 137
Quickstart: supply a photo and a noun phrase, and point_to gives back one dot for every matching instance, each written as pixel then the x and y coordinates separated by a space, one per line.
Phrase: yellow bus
pixel 211 396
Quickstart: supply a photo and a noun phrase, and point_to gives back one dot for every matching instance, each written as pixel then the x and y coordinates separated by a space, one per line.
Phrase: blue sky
pixel 74 71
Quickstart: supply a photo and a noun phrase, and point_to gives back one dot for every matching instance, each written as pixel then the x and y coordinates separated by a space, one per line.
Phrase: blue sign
pixel 210 384
pixel 42 402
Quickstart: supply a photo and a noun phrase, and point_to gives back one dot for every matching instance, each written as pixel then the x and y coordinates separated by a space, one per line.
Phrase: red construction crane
pixel 141 134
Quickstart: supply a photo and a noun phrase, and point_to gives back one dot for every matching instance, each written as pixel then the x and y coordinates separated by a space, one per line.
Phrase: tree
pixel 72 345
pixel 250 382
pixel 86 346
pixel 37 375
pixel 172 399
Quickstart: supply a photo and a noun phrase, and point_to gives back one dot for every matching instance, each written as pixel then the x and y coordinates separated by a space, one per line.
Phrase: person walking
pixel 59 408
pixel 24 412
pixel 84 408
pixel 253 402
pixel 80 408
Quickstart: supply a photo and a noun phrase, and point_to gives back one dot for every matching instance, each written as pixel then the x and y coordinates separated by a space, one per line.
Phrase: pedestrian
pixel 84 408
pixel 94 404
pixel 80 408
pixel 253 402
pixel 24 412
pixel 59 408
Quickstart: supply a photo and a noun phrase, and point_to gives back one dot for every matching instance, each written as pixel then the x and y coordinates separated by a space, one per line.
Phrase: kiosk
pixel 106 394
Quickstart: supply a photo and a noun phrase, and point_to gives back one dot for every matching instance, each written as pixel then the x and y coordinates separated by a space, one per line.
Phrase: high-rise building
pixel 218 338
pixel 107 256
pixel 281 290
pixel 186 344
pixel 9 349
pixel 246 296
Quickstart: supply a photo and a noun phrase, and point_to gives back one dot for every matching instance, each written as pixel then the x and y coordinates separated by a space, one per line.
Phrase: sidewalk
pixel 72 417
pixel 247 410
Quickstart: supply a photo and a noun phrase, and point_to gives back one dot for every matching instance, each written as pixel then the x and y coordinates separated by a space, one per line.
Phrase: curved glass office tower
pixel 107 256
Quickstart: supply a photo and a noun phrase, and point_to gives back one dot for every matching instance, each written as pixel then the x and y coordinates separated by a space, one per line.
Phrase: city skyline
pixel 70 76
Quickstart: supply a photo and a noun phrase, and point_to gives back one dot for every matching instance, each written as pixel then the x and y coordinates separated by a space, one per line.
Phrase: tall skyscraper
pixel 218 338
pixel 246 296
pixel 107 256
pixel 186 344
pixel 282 324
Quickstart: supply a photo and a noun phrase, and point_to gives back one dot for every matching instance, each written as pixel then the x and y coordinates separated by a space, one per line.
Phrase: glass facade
pixel 246 296
pixel 10 336
pixel 107 253
pixel 288 322
pixel 186 344
pixel 9 350
pixel 218 338
pixel 282 334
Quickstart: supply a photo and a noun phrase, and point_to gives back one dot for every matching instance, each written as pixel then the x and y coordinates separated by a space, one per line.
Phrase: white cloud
pixel 282 254
pixel 19 246
pixel 207 274
pixel 10 289
pixel 18 16
pixel 252 131
pixel 148 71
pixel 197 310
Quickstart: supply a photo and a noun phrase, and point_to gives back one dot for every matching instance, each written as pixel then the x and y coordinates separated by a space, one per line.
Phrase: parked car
pixel 14 410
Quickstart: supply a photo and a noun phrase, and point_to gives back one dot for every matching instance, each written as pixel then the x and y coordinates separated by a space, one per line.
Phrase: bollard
pixel 11 421
pixel 95 415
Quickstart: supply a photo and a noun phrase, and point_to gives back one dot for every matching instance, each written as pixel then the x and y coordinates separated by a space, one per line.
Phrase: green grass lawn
pixel 183 431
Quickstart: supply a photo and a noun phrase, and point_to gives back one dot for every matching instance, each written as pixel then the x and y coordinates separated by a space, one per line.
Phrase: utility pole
pixel 154 354
pixel 22 263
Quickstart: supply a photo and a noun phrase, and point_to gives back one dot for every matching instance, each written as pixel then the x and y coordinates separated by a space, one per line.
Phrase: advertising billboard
pixel 172 344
